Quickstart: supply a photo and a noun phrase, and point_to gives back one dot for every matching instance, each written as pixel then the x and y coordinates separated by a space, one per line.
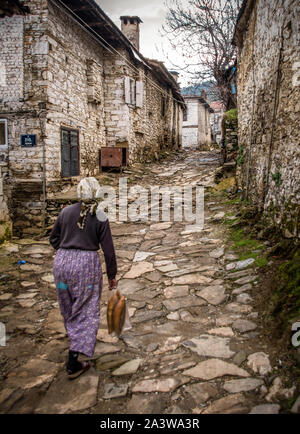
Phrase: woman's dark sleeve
pixel 107 245
pixel 55 234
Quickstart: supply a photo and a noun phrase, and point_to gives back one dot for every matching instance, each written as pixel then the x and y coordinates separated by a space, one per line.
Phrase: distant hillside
pixel 196 89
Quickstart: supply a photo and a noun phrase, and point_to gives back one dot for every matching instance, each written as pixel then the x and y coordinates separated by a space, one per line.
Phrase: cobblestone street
pixel 195 345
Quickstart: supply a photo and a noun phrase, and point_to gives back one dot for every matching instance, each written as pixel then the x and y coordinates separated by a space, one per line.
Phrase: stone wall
pixel 196 129
pixel 204 134
pixel 272 76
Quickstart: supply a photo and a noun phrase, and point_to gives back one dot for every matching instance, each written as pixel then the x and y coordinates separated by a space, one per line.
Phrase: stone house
pixel 196 127
pixel 267 36
pixel 71 84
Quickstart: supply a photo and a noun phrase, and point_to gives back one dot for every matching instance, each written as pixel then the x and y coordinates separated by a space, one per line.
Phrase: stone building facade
pixel 267 35
pixel 196 127
pixel 72 83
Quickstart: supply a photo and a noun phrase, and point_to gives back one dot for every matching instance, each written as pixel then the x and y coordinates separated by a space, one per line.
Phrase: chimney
pixel 174 75
pixel 130 26
pixel 203 94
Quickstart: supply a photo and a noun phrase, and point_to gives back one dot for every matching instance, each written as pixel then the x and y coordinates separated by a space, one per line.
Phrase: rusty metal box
pixel 111 157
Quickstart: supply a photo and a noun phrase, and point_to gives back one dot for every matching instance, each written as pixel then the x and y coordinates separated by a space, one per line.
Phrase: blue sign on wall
pixel 28 140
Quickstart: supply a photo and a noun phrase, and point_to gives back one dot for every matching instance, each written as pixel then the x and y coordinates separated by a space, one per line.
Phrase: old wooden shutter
pixel 65 153
pixel 139 93
pixel 74 153
pixel 127 90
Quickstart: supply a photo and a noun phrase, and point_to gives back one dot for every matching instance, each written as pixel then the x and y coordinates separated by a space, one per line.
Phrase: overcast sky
pixel 152 13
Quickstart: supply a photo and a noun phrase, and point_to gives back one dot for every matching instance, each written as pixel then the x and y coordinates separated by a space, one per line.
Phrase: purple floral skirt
pixel 78 279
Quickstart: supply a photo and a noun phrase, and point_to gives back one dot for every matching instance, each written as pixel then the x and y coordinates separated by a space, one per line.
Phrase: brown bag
pixel 115 297
pixel 119 315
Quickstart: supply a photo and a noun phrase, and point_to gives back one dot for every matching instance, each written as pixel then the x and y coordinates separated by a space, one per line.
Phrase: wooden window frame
pixel 63 128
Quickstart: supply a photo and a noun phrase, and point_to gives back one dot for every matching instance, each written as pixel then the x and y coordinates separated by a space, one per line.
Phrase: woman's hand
pixel 112 283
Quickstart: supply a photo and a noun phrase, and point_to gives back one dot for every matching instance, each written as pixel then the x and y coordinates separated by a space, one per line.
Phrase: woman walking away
pixel 76 236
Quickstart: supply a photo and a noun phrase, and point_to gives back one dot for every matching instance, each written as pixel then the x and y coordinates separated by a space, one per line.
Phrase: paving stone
pixel 238 308
pixel 265 409
pixel 26 296
pixel 110 361
pixel 154 276
pixel 26 284
pixel 244 298
pixel 160 226
pixel 213 294
pixel 139 269
pixel 32 374
pixel 102 348
pixel 246 279
pixel 259 363
pixel 49 278
pixel 207 345
pixel 183 302
pixel 240 357
pixel 219 216
pixel 147 316
pixel 202 392
pixel 222 331
pixel 174 316
pixel 191 279
pixel 37 249
pixel 5 297
pixel 141 256
pixel 27 303
pixel 245 263
pixel 128 286
pixel 144 405
pixel 232 404
pixel 167 268
pixel 156 385
pixel 112 390
pixel 176 291
pixel 214 368
pixel 128 368
pixel 171 344
pixel 31 267
pixel 217 253
pixel 154 235
pixel 243 385
pixel 152 347
pixel 243 325
pixel 244 288
pixel 226 319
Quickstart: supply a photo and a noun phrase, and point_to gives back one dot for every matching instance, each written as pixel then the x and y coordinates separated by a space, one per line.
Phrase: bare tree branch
pixel 201 33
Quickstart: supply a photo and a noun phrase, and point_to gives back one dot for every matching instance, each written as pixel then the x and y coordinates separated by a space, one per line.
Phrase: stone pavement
pixel 195 343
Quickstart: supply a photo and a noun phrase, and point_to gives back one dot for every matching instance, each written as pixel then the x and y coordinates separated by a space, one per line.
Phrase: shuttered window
pixel 69 153
pixel 139 93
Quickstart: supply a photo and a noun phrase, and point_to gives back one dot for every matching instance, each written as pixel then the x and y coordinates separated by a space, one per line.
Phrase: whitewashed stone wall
pixel 274 188
pixel 196 129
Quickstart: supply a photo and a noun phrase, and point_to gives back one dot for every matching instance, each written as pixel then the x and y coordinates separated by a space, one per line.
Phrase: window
pixel 185 114
pixel 133 92
pixel 3 132
pixel 69 152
